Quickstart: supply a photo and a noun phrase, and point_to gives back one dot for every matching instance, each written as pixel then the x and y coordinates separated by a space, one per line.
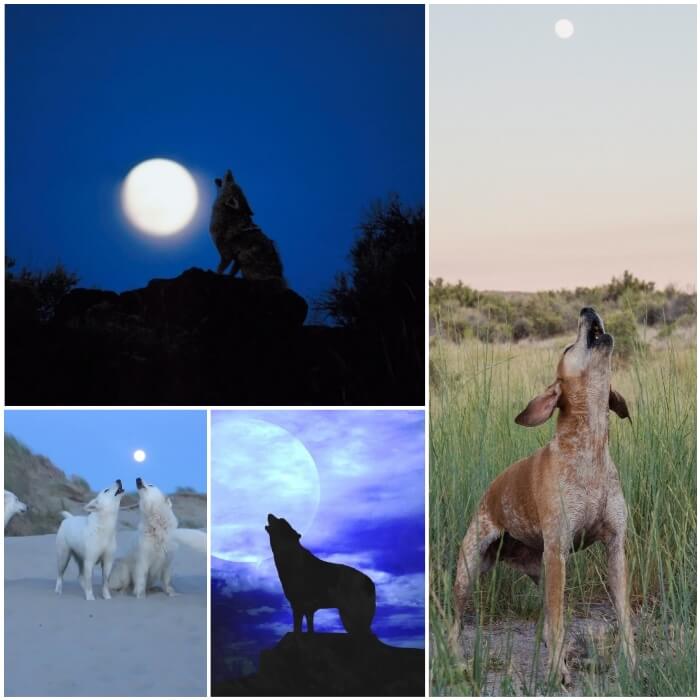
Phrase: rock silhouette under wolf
pixel 311 584
pixel 238 238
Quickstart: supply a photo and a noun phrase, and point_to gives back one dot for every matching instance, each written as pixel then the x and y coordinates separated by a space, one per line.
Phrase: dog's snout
pixel 588 312
pixel 139 482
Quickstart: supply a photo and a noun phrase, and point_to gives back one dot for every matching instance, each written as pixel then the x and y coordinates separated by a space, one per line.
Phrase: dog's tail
pixel 196 539
pixel 65 514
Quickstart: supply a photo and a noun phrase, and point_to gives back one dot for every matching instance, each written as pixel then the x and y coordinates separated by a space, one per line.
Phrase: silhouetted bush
pixel 385 284
pixel 46 288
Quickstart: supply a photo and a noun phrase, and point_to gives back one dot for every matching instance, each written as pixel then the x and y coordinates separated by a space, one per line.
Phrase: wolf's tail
pixel 196 539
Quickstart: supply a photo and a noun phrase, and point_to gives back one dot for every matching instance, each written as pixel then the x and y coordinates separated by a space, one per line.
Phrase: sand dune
pixel 124 646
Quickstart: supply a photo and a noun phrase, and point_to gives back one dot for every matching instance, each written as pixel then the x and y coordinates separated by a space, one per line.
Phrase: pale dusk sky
pixel 562 162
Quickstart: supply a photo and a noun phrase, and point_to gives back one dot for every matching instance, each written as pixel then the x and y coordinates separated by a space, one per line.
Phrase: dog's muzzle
pixel 119 487
pixel 595 332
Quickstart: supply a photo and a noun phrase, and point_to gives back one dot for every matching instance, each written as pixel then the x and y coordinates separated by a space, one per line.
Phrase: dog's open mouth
pixel 597 336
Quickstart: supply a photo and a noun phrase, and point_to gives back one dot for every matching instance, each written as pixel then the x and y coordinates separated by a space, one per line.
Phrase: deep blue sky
pixel 370 515
pixel 318 110
pixel 99 445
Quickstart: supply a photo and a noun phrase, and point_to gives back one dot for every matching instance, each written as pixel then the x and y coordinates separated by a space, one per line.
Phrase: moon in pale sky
pixel 159 197
pixel 139 455
pixel 257 467
pixel 564 28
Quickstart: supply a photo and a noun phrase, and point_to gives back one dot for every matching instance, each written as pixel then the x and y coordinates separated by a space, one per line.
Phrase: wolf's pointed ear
pixel 617 403
pixel 92 506
pixel 540 409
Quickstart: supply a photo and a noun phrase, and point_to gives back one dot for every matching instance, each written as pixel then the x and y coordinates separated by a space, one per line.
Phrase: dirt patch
pixel 514 657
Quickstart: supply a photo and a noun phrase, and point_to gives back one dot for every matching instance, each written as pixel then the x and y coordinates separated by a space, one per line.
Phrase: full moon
pixel 139 456
pixel 564 28
pixel 159 197
pixel 257 468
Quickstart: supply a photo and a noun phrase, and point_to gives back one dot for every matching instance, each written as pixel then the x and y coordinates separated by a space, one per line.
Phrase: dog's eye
pixel 105 491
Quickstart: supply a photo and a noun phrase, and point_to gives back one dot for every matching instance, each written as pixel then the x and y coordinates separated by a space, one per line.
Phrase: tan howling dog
pixel 564 497
pixel 310 583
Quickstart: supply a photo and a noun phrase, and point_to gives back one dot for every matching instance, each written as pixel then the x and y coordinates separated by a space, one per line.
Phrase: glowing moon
pixel 564 28
pixel 159 197
pixel 257 468
pixel 139 456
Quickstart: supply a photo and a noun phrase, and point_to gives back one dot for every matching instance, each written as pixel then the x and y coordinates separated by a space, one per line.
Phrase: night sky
pixel 318 110
pixel 369 514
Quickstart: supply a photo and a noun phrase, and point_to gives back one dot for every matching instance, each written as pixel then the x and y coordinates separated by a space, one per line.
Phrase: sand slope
pixel 124 646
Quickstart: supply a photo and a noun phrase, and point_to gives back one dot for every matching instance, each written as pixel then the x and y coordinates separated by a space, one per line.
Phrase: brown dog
pixel 564 497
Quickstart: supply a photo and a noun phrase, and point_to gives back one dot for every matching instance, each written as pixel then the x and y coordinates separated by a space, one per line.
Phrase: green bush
pixel 623 327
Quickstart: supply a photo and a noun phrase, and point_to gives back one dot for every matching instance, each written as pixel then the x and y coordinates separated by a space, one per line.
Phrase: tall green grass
pixel 476 391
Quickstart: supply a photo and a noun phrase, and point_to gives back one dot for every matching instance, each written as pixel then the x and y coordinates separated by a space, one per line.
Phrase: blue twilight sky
pixel 99 445
pixel 369 467
pixel 318 110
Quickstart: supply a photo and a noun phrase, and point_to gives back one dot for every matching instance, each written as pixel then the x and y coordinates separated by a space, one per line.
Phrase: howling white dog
pixel 151 559
pixel 12 506
pixel 90 539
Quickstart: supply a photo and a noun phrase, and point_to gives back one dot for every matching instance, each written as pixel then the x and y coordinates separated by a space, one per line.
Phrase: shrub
pixel 623 328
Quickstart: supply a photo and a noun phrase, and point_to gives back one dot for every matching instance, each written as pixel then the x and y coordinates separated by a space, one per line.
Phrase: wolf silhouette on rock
pixel 311 584
pixel 239 240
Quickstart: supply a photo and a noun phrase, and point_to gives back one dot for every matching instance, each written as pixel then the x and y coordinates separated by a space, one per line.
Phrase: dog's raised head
pixel 108 500
pixel 151 497
pixel 13 506
pixel 230 195
pixel 281 532
pixel 582 385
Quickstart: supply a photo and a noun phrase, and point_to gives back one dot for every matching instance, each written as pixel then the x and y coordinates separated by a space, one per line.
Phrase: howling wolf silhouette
pixel 311 584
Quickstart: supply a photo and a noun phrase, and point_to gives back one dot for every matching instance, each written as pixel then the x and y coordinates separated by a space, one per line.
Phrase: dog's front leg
pixel 223 264
pixel 298 618
pixel 167 577
pixel 88 566
pixel 140 579
pixel 310 622
pixel 617 583
pixel 107 563
pixel 555 580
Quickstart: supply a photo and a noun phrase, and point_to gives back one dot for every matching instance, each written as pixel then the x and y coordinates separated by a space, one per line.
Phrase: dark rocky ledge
pixel 198 339
pixel 332 665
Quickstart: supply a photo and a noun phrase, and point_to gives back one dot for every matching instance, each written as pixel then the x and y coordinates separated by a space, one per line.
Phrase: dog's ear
pixel 92 506
pixel 540 409
pixel 617 403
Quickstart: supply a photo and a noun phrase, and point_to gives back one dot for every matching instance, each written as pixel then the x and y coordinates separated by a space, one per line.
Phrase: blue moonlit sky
pixel 370 515
pixel 318 110
pixel 99 445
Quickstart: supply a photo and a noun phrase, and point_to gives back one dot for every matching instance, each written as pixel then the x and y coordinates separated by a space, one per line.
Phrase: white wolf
pixel 90 539
pixel 12 506
pixel 151 559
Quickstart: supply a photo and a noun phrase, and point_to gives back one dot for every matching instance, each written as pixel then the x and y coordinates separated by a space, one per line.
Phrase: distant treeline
pixel 457 311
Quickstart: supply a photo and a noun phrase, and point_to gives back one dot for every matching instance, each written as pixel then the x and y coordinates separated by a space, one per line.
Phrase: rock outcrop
pixel 332 665
pixel 199 339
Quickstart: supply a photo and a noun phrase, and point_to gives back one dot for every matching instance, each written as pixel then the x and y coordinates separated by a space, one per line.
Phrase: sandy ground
pixel 513 652
pixel 120 647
